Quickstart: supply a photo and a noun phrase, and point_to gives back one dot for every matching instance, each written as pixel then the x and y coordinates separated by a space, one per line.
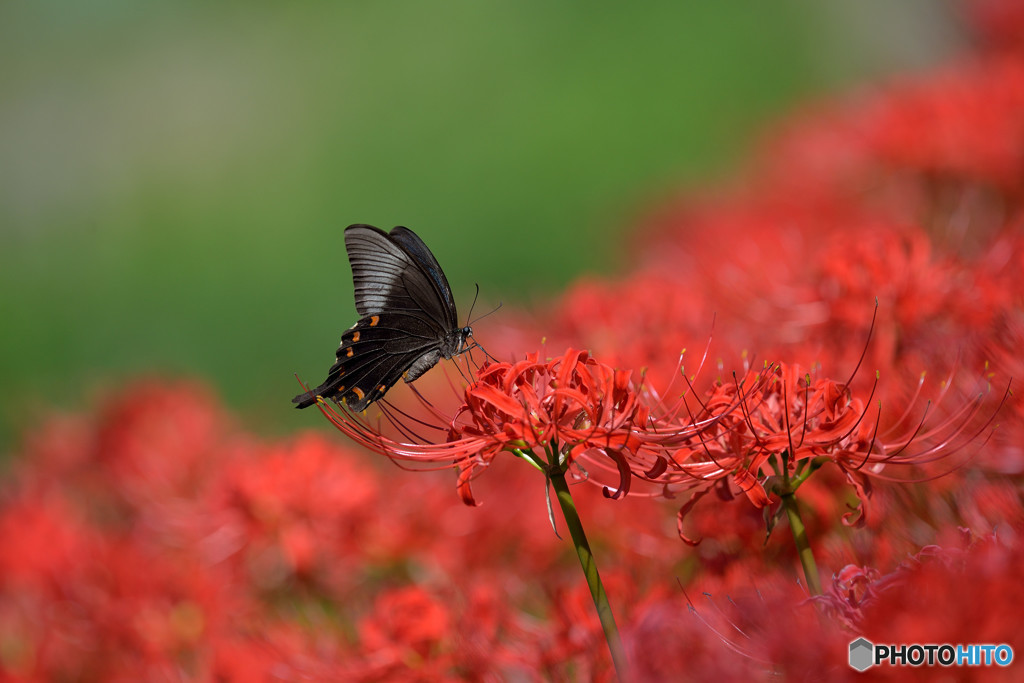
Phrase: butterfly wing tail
pixel 305 400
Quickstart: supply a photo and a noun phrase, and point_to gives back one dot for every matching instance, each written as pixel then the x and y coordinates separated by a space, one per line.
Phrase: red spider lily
pixel 857 589
pixel 937 595
pixel 277 512
pixel 576 412
pixel 417 634
pixel 981 597
pixel 1000 23
pixel 852 588
pixel 408 624
pixel 963 124
pixel 792 424
pixel 750 624
pixel 798 283
pixel 570 410
pixel 628 327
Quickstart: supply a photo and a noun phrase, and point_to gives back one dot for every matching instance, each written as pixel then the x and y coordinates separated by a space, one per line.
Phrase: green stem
pixel 804 471
pixel 530 458
pixel 803 546
pixel 604 608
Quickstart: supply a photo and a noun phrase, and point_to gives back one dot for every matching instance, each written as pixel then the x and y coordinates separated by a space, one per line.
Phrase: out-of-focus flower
pixel 962 125
pixel 971 596
pixel 851 590
pixel 642 321
pixel 295 510
pixel 737 627
pixel 744 628
pixel 156 442
pixel 407 636
pixel 999 23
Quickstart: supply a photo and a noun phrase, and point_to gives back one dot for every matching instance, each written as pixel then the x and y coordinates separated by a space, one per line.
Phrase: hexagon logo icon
pixel 861 654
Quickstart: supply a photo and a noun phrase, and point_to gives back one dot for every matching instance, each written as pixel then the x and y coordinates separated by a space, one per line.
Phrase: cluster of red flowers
pixel 157 540
pixel 574 412
pixel 872 259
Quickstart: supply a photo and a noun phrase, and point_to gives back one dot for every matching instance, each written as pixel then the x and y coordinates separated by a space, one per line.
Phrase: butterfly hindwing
pixel 374 354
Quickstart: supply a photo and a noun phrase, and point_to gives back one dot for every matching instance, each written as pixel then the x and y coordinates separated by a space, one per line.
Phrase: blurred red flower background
pixel 153 538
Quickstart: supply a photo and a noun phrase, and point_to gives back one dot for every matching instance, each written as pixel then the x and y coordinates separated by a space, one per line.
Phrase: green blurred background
pixel 175 176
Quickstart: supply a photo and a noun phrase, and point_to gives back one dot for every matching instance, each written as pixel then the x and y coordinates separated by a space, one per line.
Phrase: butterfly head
pixel 465 334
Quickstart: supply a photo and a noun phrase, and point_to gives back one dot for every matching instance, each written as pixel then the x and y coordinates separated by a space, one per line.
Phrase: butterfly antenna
pixel 469 321
pixel 473 305
pixel 493 310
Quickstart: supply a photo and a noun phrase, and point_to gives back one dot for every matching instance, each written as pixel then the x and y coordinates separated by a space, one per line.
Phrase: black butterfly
pixel 408 318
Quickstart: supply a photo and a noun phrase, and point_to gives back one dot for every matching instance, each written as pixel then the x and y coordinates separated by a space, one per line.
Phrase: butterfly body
pixel 408 322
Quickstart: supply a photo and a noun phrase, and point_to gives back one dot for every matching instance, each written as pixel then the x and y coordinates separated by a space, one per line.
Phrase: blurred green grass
pixel 174 178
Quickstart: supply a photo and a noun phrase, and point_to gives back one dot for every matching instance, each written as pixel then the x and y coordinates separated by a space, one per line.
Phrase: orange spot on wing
pixel 355 336
pixel 358 392
pixel 374 319
pixel 349 352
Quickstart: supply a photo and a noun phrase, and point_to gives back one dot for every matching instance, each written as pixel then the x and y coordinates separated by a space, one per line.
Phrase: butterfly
pixel 408 320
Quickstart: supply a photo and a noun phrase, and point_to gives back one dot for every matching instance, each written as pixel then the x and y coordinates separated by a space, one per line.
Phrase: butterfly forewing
pixel 442 304
pixel 377 267
pixel 396 271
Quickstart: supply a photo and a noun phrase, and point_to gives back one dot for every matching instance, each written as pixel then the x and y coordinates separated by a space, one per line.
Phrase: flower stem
pixel 803 546
pixel 604 608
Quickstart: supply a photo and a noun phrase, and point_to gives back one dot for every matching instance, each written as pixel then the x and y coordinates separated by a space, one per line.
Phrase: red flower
pixel 952 596
pixel 794 421
pixel 640 321
pixel 576 412
pixel 852 589
pixel 408 637
pixel 964 124
pixel 571 410
pixel 999 22
pixel 299 507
